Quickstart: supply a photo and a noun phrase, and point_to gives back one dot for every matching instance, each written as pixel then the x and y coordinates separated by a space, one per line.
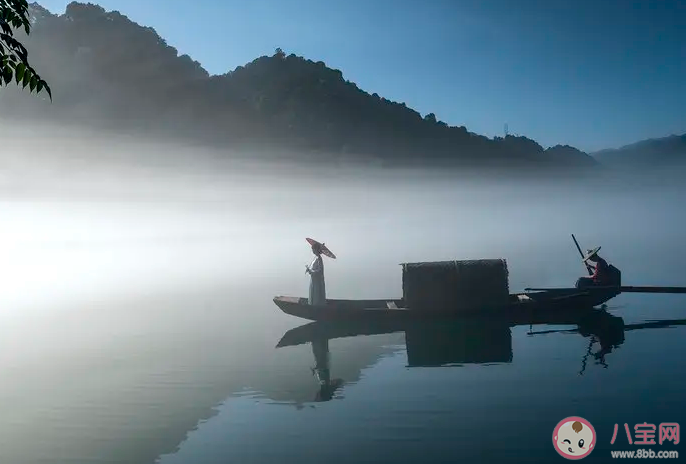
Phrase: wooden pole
pixel 625 289
pixel 634 289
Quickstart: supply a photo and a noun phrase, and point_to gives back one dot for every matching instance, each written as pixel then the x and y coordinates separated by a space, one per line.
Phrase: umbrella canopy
pixel 325 250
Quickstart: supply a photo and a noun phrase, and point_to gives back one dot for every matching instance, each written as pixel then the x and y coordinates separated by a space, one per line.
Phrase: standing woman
pixel 316 271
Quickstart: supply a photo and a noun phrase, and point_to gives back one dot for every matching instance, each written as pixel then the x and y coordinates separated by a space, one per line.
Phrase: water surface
pixel 136 323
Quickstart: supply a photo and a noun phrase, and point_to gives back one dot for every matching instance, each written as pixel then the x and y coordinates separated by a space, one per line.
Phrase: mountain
pixel 108 71
pixel 665 153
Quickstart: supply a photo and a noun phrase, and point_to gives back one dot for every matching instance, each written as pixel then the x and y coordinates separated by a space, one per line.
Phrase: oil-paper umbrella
pixel 325 250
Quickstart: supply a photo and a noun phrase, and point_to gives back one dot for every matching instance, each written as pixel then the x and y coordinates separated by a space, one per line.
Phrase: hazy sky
pixel 589 73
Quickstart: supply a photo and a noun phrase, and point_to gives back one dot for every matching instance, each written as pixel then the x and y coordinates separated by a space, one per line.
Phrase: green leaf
pixel 27 78
pixel 19 71
pixel 33 82
pixel 5 27
pixel 47 89
pixel 7 75
pixel 42 85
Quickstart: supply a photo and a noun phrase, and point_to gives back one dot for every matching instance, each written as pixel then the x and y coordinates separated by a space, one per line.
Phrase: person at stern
pixel 603 273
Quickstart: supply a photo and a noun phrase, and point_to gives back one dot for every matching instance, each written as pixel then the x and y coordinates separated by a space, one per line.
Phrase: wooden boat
pixel 529 304
pixel 534 303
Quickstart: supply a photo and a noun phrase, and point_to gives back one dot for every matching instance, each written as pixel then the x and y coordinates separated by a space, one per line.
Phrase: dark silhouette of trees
pixel 14 61
pixel 114 72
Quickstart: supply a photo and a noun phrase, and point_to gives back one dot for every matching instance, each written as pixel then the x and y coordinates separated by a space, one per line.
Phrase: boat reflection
pixel 427 344
pixel 608 333
pixel 444 344
pixel 459 342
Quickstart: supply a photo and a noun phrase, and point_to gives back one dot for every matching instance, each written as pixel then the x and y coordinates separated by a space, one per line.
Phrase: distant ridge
pixel 108 71
pixel 652 153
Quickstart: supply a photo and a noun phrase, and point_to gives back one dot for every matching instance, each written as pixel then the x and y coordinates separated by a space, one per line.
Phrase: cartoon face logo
pixel 574 438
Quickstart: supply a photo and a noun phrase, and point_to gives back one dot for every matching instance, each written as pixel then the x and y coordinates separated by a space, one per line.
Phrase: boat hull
pixel 523 306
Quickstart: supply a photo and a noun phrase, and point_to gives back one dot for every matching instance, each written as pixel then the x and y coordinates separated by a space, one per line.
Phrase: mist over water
pixel 132 272
pixel 89 213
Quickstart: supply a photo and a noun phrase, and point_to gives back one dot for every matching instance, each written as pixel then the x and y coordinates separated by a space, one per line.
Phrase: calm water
pixel 144 332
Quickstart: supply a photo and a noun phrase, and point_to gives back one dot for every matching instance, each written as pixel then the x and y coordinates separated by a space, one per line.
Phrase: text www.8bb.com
pixel 645 454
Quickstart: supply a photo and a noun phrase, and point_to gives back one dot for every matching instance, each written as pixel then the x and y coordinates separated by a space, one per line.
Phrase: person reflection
pixel 322 369
pixel 608 332
pixel 599 356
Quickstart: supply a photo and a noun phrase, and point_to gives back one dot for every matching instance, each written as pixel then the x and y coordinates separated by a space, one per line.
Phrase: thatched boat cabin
pixel 456 285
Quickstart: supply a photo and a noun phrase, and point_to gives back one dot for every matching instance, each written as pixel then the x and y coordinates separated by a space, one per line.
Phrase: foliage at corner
pixel 14 61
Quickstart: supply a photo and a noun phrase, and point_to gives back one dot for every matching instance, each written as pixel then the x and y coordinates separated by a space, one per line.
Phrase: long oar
pixel 624 289
pixel 634 289
pixel 588 268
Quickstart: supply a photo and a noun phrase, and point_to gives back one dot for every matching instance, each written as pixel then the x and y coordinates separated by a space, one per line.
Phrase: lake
pixel 136 321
